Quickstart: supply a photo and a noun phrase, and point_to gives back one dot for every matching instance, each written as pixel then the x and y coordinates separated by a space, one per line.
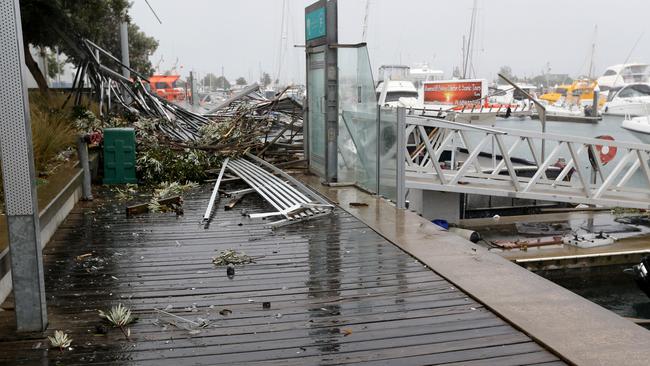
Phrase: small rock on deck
pixel 339 294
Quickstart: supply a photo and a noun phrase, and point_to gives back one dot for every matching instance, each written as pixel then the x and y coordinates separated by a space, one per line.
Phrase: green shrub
pixel 52 128
pixel 162 164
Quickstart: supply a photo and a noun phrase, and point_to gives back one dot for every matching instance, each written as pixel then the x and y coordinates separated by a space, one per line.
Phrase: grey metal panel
pixel 27 273
pixel 18 176
pixel 14 119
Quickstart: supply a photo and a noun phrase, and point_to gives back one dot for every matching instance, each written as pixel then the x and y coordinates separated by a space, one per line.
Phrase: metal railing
pixel 481 160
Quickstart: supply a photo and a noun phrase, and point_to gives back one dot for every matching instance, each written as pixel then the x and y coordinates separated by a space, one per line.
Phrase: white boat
pixel 399 93
pixel 564 110
pixel 624 74
pixel 640 126
pixel 628 100
pixel 421 73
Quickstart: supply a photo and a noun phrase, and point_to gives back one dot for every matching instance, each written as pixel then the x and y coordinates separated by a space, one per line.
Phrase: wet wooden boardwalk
pixel 339 294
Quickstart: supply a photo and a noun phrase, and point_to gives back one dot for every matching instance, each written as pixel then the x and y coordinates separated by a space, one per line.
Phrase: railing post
pixel 82 153
pixel 401 158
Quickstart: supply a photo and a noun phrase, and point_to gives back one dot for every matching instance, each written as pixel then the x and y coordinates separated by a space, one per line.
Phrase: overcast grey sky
pixel 244 36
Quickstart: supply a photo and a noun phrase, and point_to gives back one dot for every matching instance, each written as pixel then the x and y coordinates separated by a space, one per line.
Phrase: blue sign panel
pixel 315 24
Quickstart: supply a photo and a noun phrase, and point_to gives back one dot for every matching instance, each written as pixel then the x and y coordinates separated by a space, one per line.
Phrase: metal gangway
pixel 561 169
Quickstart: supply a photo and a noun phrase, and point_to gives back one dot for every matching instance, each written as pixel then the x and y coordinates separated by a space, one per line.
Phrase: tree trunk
pixel 36 71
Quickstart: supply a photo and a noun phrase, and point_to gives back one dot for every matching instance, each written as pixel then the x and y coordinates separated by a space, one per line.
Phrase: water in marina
pixel 606 286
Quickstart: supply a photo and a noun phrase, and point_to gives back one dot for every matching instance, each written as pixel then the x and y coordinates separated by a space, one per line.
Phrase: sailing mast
pixel 593 53
pixel 467 53
pixel 364 32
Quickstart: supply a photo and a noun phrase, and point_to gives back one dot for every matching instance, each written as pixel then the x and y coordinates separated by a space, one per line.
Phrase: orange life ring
pixel 606 153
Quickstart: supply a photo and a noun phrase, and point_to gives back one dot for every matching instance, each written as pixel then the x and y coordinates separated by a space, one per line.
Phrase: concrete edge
pixel 575 329
pixel 50 217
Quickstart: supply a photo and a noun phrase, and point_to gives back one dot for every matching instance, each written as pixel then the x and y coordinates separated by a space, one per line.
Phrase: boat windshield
pixel 632 91
pixel 495 92
pixel 580 92
pixel 635 69
pixel 611 93
pixel 394 96
pixel 178 83
pixel 518 95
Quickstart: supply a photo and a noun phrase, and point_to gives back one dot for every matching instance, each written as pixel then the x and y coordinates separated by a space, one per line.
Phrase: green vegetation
pixel 60 340
pixel 52 129
pixel 52 24
pixel 158 162
pixel 119 317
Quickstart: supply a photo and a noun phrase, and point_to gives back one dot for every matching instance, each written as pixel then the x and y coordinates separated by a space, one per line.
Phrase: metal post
pixel 18 176
pixel 401 158
pixel 124 44
pixel 191 88
pixel 195 95
pixel 594 107
pixel 331 94
pixel 82 152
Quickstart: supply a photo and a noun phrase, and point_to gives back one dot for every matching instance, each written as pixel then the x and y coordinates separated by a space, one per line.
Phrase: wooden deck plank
pixel 339 293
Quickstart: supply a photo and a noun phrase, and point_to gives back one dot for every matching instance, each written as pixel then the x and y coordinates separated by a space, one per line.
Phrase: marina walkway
pixel 339 293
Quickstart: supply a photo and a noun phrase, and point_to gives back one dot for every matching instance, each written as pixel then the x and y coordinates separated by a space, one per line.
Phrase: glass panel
pixel 388 153
pixel 316 112
pixel 357 142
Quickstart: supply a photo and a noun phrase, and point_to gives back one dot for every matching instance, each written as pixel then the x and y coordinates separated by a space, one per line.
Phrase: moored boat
pixel 629 100
pixel 640 126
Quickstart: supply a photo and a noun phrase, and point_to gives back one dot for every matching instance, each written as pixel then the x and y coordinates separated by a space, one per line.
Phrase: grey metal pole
pixel 124 43
pixel 18 175
pixel 401 159
pixel 191 88
pixel 594 106
pixel 82 152
pixel 331 94
pixel 195 95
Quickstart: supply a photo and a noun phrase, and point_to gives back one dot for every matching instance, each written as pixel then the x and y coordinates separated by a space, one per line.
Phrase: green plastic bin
pixel 119 156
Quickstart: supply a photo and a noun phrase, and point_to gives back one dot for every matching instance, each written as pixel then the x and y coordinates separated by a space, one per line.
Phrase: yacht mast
pixel 468 52
pixel 364 33
pixel 593 53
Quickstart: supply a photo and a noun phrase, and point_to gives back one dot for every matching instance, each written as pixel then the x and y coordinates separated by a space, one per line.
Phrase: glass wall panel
pixel 388 153
pixel 358 127
pixel 316 111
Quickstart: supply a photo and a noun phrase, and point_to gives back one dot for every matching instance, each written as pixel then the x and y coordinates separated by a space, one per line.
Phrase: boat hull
pixel 627 109
pixel 639 126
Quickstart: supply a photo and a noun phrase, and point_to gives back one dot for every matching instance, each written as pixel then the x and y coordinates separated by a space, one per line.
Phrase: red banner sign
pixel 455 92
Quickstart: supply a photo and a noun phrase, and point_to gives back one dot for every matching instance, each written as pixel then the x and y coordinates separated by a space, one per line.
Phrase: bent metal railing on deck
pixel 481 160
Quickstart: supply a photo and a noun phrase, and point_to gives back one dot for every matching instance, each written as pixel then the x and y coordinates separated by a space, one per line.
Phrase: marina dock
pixel 182 190
pixel 337 293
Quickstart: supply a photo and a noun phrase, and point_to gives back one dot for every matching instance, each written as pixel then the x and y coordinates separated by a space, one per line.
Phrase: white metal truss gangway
pixel 488 161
